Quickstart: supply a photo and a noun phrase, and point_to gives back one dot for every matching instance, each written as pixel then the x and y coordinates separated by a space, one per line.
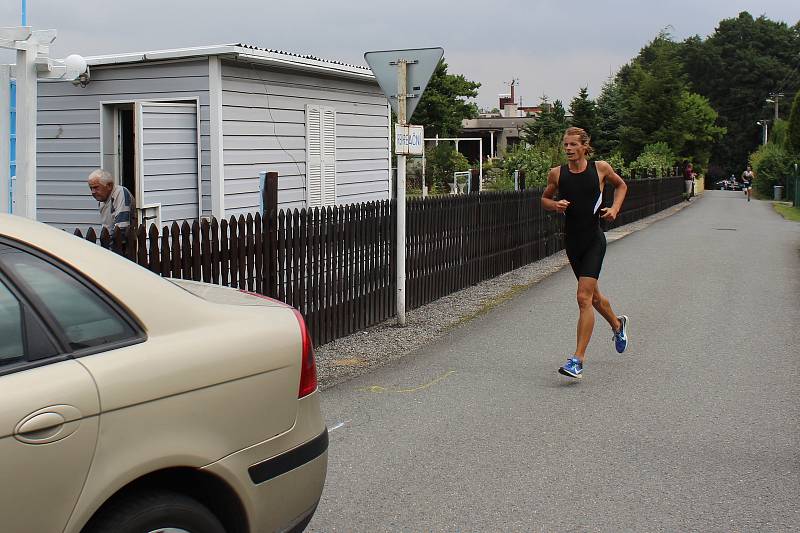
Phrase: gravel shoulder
pixel 361 352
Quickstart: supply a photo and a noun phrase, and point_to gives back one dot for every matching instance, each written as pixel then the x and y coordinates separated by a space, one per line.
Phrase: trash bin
pixel 777 192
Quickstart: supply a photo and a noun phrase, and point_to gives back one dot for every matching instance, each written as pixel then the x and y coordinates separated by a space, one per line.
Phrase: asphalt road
pixel 695 428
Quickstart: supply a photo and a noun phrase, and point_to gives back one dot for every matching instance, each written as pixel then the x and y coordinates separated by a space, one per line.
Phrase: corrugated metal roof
pixel 302 56
pixel 244 52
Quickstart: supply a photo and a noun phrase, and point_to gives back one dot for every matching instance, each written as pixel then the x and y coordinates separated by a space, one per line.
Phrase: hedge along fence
pixel 337 264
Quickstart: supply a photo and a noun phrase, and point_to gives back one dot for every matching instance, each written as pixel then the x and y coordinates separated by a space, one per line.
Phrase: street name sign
pixel 408 139
pixel 421 63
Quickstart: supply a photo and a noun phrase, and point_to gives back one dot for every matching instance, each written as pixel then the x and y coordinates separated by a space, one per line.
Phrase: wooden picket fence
pixel 337 264
pixel 457 241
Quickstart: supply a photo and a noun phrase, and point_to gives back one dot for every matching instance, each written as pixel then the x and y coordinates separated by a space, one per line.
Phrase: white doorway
pixel 152 147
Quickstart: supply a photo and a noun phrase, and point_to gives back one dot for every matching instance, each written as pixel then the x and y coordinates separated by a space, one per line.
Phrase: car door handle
pixel 41 426
pixel 48 425
pixel 42 423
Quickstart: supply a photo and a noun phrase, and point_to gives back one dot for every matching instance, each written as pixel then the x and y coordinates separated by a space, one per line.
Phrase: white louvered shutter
pixel 329 155
pixel 314 184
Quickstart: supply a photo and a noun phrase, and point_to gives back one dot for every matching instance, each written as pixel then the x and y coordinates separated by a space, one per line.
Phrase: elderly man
pixel 116 202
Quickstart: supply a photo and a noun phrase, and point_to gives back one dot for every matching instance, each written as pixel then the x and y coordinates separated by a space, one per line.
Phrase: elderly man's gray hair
pixel 104 176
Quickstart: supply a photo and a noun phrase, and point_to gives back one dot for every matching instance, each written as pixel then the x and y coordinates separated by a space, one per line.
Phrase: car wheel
pixel 157 511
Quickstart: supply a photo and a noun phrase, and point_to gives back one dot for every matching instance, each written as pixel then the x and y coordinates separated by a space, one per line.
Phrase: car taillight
pixel 308 367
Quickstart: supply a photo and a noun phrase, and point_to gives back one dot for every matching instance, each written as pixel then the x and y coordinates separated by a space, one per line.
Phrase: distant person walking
pixel 580 185
pixel 116 202
pixel 747 182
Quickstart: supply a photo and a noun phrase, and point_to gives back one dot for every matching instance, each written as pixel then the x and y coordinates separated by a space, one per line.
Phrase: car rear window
pixel 82 315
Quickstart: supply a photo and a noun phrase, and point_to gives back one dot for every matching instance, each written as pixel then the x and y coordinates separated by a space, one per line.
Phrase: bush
pixel 771 164
pixel 536 161
pixel 497 179
pixel 441 162
pixel 617 162
pixel 658 157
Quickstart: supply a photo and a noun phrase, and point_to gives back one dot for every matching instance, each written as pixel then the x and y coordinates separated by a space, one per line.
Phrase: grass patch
pixel 491 304
pixel 787 211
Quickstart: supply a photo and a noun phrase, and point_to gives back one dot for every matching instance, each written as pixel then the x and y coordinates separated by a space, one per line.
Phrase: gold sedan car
pixel 135 404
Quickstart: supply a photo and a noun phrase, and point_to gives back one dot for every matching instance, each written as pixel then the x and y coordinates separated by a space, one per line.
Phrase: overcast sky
pixel 552 47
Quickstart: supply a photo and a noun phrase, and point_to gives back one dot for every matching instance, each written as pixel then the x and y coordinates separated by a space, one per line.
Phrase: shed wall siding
pixel 68 132
pixel 264 128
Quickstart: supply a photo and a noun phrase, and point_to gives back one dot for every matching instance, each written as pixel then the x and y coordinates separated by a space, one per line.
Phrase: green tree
pixel 583 111
pixel 793 131
pixel 444 104
pixel 695 123
pixel 606 139
pixel 549 126
pixel 736 68
pixel 651 87
pixel 779 134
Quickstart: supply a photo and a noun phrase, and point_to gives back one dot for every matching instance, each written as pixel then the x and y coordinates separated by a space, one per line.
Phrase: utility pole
pixel 773 99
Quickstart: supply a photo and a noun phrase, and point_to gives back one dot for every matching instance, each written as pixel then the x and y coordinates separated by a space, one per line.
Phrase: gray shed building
pixel 189 130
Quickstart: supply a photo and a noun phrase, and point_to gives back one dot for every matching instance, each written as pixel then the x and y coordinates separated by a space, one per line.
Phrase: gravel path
pixel 363 351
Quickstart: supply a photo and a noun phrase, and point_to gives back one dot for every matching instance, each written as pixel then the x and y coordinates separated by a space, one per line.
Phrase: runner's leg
pixel 586 289
pixel 603 307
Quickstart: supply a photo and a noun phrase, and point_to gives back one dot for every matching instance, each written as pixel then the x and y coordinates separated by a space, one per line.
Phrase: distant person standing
pixel 688 179
pixel 116 202
pixel 747 182
pixel 580 186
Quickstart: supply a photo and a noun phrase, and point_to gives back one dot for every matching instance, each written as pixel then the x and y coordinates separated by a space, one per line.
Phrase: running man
pixel 580 188
pixel 747 182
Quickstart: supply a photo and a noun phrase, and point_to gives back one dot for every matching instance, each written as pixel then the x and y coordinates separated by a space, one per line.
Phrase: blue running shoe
pixel 621 336
pixel 572 368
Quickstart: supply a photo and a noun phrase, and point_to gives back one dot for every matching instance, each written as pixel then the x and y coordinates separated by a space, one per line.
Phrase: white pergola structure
pixel 33 62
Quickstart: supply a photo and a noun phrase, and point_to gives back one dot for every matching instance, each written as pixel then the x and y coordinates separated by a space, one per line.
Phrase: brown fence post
pixel 270 192
pixel 521 177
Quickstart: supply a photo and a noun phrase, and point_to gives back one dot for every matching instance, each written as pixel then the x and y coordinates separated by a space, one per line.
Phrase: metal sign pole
pixel 404 87
pixel 402 71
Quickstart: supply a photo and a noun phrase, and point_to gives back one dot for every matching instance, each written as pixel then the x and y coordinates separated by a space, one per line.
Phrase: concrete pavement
pixel 694 429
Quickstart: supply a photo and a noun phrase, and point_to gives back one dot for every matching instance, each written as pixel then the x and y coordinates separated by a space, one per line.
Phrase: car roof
pixel 132 286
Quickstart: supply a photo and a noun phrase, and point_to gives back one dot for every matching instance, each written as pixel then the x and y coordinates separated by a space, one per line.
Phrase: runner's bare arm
pixel 608 175
pixel 550 191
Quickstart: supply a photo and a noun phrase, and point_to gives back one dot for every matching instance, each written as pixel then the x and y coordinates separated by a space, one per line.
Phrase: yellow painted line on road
pixel 377 389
